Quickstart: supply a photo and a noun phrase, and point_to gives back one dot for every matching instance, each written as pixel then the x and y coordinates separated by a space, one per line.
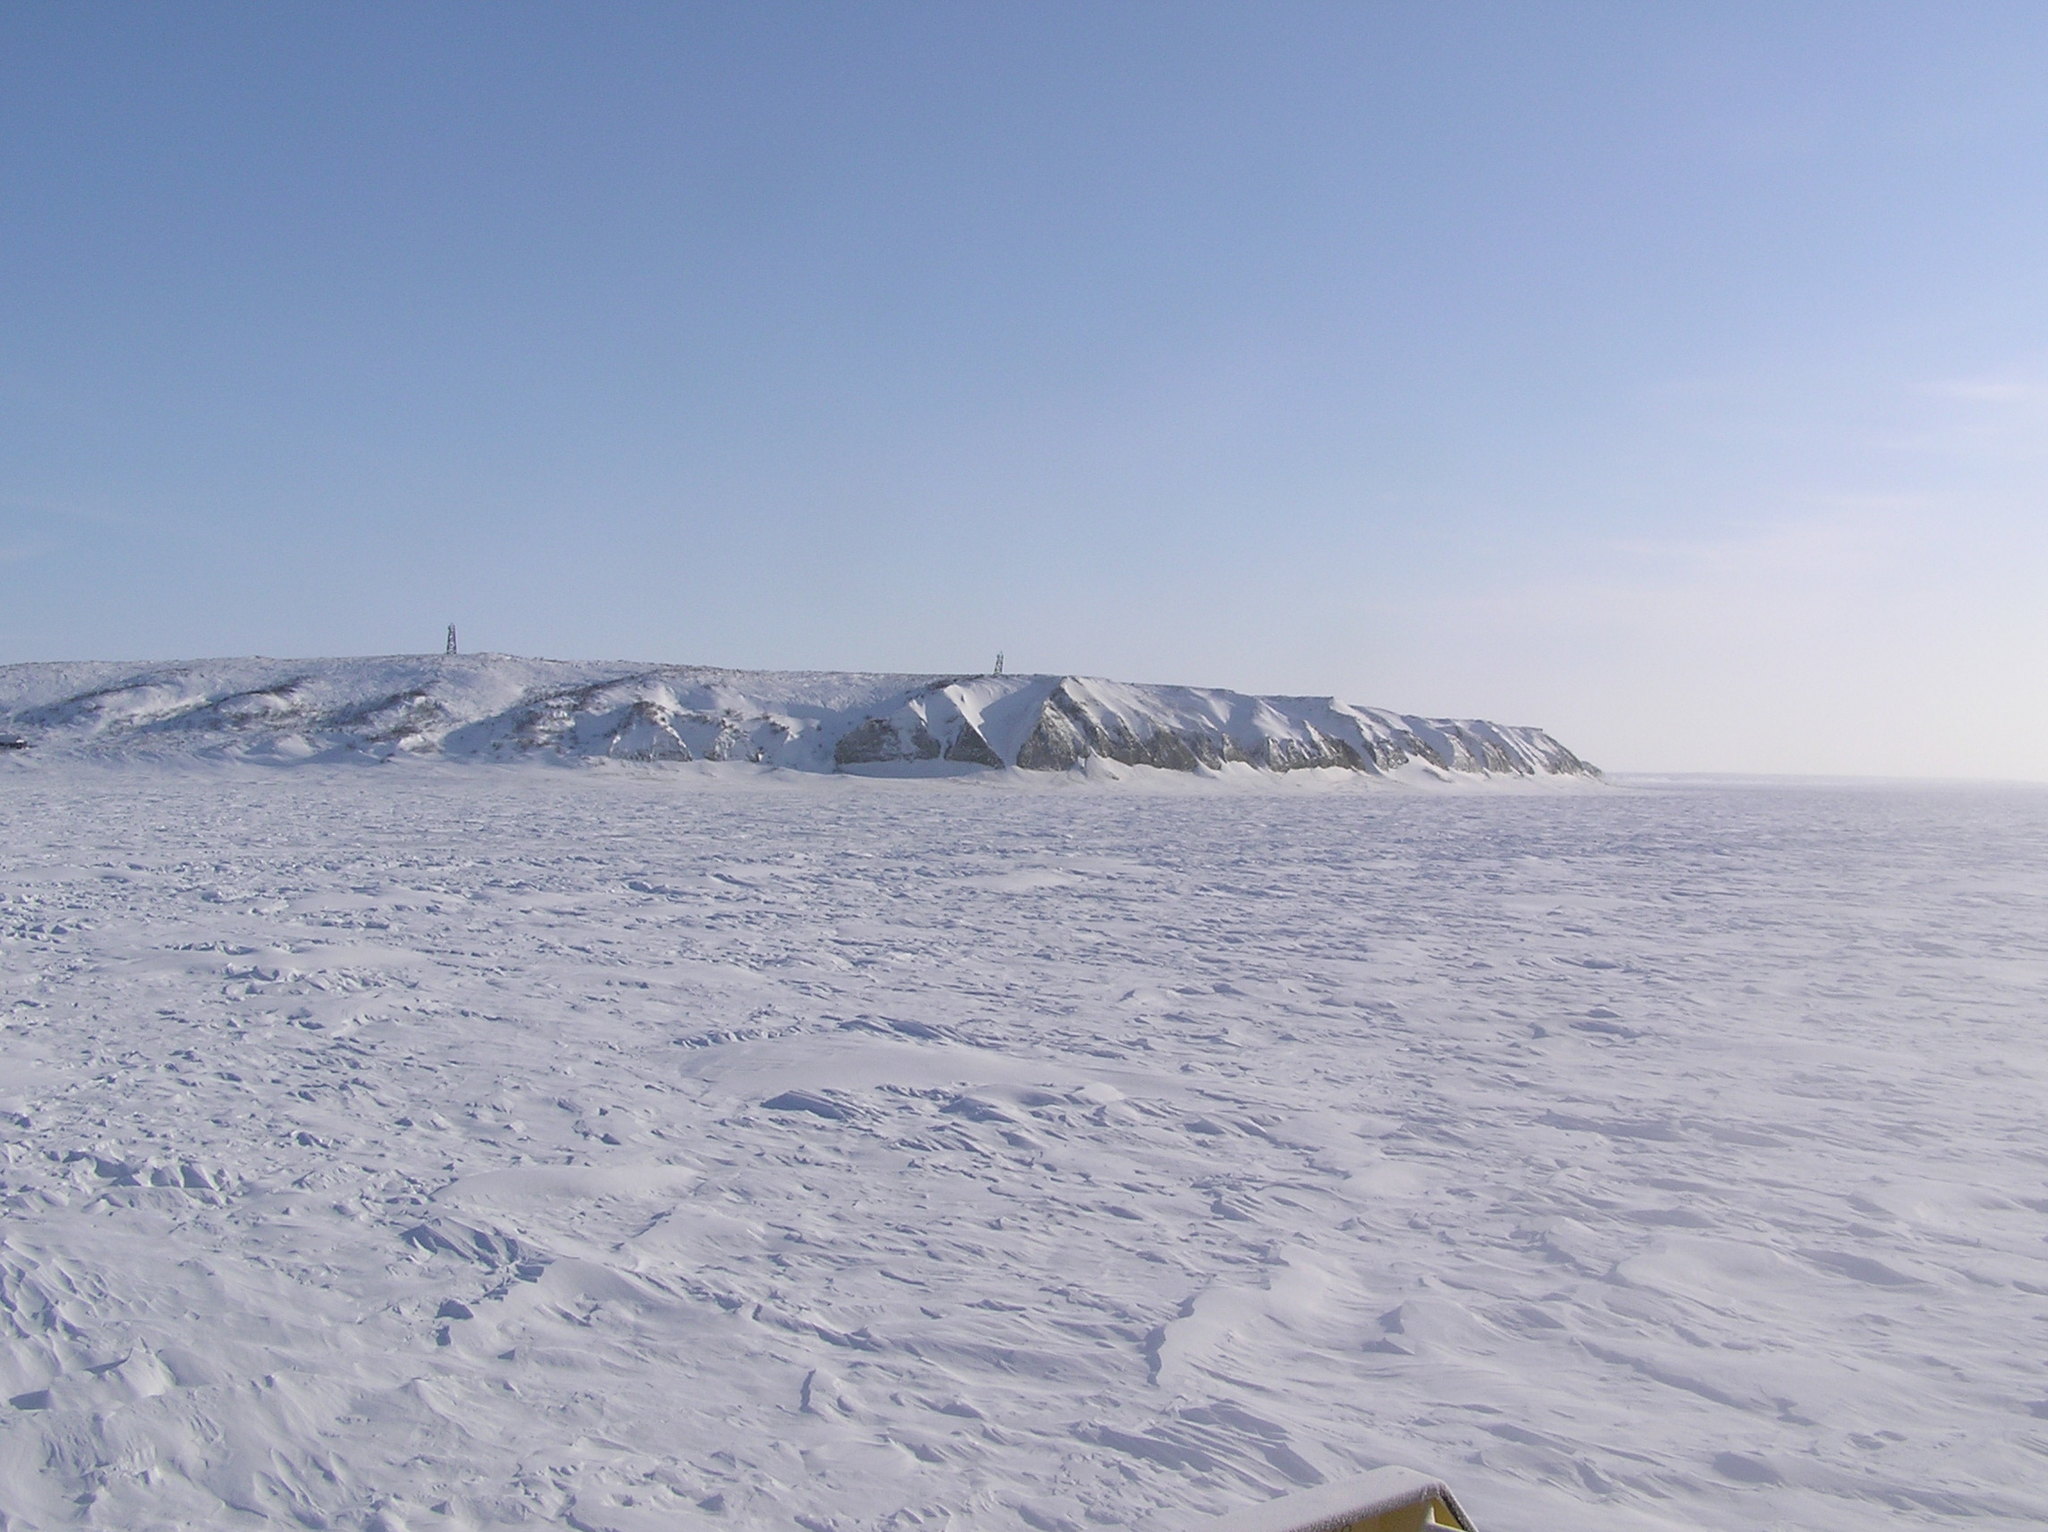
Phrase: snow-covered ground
pixel 636 1148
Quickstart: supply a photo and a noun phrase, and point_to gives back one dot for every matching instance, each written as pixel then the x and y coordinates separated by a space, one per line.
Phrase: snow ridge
pixel 493 706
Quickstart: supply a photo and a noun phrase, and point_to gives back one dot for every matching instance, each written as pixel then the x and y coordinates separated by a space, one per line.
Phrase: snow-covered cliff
pixel 492 706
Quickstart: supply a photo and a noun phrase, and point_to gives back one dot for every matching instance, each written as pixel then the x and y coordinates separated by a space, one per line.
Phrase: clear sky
pixel 1674 376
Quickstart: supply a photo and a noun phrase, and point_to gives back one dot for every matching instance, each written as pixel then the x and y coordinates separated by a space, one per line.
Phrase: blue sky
pixel 1673 376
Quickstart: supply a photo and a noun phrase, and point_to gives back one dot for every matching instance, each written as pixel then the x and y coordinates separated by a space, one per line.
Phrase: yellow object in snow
pixel 1385 1500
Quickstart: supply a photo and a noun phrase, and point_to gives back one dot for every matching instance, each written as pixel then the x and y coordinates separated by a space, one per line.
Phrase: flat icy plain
pixel 455 1146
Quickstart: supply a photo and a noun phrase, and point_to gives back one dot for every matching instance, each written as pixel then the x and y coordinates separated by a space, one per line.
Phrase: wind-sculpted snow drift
pixel 711 1150
pixel 491 706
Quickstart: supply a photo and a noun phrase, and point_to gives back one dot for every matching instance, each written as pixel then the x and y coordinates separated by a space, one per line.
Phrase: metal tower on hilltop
pixel 999 662
pixel 451 638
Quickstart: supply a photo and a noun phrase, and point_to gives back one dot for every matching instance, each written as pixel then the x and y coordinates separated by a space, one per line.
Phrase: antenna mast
pixel 999 662
pixel 451 638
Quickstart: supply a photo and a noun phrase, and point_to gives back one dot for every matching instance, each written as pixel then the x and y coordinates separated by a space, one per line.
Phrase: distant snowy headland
pixel 495 706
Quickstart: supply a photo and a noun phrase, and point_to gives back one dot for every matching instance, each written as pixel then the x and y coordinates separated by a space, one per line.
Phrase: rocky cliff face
pixel 502 707
pixel 1058 723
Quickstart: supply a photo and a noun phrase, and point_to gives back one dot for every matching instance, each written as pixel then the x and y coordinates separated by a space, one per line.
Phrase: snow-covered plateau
pixel 495 706
pixel 655 1148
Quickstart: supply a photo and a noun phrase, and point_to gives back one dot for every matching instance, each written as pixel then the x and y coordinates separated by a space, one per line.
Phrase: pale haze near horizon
pixel 1675 378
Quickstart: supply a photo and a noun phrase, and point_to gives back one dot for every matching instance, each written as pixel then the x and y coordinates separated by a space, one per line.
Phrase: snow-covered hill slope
pixel 498 706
